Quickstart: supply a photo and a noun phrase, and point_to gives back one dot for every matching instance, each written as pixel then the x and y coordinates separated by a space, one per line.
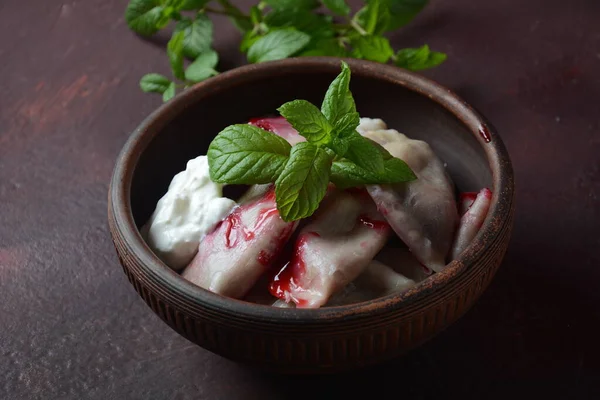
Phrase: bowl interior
pixel 185 132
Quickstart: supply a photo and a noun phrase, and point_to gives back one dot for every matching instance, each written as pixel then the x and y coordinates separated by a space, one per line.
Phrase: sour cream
pixel 191 209
pixel 370 124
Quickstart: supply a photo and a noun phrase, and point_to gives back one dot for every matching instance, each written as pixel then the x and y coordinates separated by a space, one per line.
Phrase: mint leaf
pixel 345 174
pixel 374 17
pixel 176 5
pixel 193 4
pixel 175 53
pixel 346 126
pixel 246 154
pixel 338 100
pixel 248 40
pixel 317 26
pixel 325 47
pixel 255 15
pixel 155 83
pixel 303 182
pixel 198 35
pixel 165 17
pixel 364 153
pixel 355 53
pixel 308 121
pixel 142 16
pixel 169 92
pixel 419 58
pixel 241 21
pixel 293 4
pixel 337 6
pixel 203 67
pixel 339 145
pixel 374 48
pixel 403 11
pixel 277 45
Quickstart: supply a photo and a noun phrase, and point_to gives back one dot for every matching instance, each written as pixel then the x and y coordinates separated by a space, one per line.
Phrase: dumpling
pixel 332 250
pixel 403 261
pixel 471 221
pixel 465 201
pixel 423 212
pixel 376 281
pixel 242 248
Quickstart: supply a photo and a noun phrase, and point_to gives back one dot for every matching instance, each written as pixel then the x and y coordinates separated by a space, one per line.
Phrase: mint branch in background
pixel 175 53
pixel 374 48
pixel 169 93
pixel 198 35
pixel 339 7
pixel 143 16
pixel 193 4
pixel 277 44
pixel 203 67
pixel 276 29
pixel 154 83
pixel 288 4
pixel 419 58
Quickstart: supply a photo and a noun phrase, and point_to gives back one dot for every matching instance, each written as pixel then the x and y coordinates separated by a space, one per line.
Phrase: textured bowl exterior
pixel 331 339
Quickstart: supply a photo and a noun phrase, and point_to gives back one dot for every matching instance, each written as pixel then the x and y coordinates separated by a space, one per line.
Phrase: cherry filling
pixel 373 223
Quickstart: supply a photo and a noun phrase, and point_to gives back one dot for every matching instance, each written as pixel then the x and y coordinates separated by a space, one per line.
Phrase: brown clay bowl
pixel 328 339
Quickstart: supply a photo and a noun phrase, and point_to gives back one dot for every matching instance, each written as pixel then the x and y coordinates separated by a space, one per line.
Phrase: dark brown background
pixel 72 327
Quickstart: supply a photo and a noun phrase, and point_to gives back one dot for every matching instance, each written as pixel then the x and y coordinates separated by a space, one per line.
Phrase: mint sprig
pixel 333 152
pixel 276 29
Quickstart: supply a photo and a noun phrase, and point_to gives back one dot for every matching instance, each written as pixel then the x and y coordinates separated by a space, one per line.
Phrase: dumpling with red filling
pixel 332 249
pixel 471 220
pixel 233 257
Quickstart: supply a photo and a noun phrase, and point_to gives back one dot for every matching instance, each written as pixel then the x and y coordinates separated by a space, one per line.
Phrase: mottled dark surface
pixel 72 327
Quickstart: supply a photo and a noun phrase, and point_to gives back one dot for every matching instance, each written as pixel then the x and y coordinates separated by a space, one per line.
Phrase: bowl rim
pixel 177 289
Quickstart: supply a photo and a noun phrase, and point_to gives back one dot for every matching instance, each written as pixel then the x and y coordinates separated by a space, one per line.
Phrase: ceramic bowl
pixel 316 340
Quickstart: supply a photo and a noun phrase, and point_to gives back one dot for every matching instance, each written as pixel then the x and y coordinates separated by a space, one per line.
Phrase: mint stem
pixel 234 10
pixel 358 28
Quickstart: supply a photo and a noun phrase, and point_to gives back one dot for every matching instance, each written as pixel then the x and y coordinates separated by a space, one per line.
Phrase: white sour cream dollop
pixel 191 208
pixel 370 124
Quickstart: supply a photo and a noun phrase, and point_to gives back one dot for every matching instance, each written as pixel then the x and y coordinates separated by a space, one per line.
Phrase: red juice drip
pixel 264 123
pixel 264 258
pixel 373 223
pixel 287 279
pixel 265 214
pixel 233 223
pixel 485 133
pixel 466 196
pixel 234 229
pixel 269 196
pixel 359 192
pixel 466 200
